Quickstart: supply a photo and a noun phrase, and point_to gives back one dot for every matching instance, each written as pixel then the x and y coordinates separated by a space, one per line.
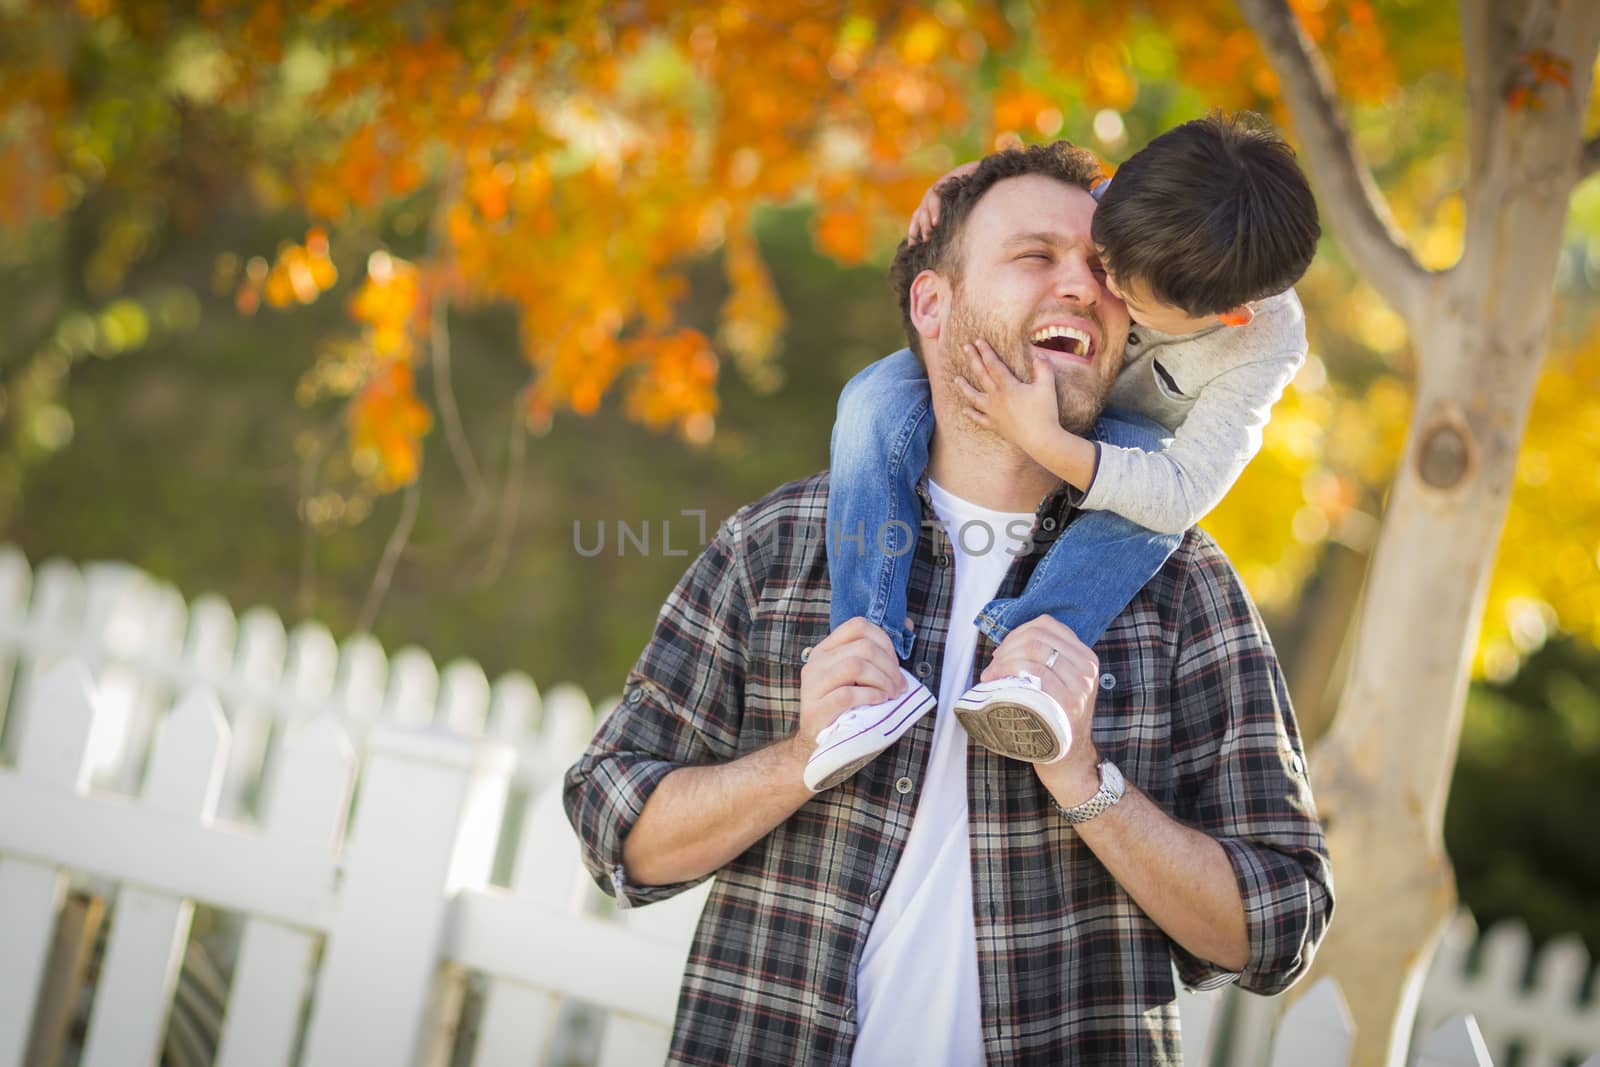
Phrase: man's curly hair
pixel 942 251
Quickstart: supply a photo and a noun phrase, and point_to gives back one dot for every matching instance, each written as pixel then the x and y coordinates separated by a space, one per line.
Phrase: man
pixel 945 904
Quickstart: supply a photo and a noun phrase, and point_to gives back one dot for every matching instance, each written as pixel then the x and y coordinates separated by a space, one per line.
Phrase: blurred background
pixel 387 314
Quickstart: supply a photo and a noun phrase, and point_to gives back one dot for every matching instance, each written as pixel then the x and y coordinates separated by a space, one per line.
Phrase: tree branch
pixel 305 598
pixel 391 556
pixel 511 498
pixel 1589 164
pixel 439 350
pixel 1489 34
pixel 1355 209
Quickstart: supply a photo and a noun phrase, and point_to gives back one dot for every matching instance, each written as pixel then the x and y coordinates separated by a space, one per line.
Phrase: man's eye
pixel 1035 255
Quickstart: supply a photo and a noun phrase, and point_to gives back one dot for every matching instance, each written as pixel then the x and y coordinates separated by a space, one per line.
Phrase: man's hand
pixel 926 217
pixel 700 818
pixel 854 665
pixel 1074 681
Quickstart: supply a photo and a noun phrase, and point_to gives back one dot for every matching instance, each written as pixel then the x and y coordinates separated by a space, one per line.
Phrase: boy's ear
pixel 930 300
pixel 1237 316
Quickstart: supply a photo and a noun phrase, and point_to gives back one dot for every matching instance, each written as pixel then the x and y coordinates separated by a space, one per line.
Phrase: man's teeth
pixel 1077 340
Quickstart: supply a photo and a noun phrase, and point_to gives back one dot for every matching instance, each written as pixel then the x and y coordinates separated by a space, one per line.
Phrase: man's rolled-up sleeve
pixel 681 706
pixel 1242 779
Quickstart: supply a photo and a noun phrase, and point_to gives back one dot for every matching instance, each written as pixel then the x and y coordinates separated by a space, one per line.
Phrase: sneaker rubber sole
pixel 1018 722
pixel 844 773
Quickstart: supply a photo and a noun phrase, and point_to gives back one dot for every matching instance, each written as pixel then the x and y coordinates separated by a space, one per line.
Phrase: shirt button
pixel 1108 681
pixel 924 669
pixel 1133 338
pixel 903 786
pixel 805 654
pixel 1049 523
pixel 850 1015
pixel 635 695
pixel 944 561
pixel 874 897
pixel 1297 764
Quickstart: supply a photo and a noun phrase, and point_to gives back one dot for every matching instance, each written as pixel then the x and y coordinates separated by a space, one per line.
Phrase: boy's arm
pixel 1166 491
pixel 1170 491
pixel 1069 457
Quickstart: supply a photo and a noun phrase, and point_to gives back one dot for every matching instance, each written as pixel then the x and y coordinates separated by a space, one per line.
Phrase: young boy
pixel 1202 234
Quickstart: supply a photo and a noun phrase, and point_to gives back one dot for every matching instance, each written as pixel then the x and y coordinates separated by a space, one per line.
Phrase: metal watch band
pixel 1102 799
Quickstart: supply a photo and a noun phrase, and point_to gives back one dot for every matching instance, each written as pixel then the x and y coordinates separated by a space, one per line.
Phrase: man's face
pixel 1031 283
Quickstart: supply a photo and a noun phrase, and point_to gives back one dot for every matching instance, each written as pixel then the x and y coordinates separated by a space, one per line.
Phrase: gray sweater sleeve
pixel 1170 491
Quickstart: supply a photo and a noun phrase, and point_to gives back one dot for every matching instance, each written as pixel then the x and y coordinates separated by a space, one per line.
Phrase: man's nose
pixel 1076 281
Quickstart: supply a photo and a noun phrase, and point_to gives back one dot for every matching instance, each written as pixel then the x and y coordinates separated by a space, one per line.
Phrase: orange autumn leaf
pixel 488 193
pixel 1016 106
pixel 585 398
pixel 387 304
pixel 752 316
pixel 842 234
pixel 677 384
pixel 538 410
pixel 1539 69
pixel 387 423
pixel 299 274
pixel 1546 66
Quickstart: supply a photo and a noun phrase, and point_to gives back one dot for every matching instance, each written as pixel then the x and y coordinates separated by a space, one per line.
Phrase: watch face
pixel 1111 779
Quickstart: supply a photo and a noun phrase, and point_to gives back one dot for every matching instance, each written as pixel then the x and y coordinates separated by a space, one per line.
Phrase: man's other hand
pixel 1073 680
pixel 854 665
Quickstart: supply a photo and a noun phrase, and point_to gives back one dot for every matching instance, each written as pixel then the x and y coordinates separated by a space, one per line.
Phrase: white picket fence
pixel 401 906
pixel 1471 979
pixel 392 943
pixel 1548 1020
pixel 144 645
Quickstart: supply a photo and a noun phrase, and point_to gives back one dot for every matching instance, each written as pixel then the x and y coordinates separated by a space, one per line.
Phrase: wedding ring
pixel 1051 661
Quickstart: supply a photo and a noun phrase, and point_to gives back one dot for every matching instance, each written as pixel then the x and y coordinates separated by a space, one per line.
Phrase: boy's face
pixel 1146 310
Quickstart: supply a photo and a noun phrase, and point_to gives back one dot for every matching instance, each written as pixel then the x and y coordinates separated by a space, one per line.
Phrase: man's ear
pixel 930 301
pixel 1237 316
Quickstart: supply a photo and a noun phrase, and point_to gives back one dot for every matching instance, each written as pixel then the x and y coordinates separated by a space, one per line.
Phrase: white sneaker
pixel 1016 718
pixel 855 738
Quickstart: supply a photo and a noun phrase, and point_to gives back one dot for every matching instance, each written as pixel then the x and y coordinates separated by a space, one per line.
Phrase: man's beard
pixel 1080 397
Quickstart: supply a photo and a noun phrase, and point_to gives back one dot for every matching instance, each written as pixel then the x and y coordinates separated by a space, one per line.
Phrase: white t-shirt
pixel 917 988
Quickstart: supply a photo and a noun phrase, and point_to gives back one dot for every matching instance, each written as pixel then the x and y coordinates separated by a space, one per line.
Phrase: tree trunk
pixel 1316 656
pixel 1382 774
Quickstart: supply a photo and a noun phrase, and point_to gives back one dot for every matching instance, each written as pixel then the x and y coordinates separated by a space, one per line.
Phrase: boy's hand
pixel 1024 413
pixel 926 217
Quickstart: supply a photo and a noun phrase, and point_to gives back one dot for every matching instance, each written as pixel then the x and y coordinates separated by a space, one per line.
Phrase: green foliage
pixel 1520 823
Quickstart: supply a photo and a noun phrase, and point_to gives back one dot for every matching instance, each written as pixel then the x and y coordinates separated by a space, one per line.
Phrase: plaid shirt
pixel 1192 708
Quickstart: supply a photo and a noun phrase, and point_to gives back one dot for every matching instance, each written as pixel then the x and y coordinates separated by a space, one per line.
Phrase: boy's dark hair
pixel 942 250
pixel 1210 215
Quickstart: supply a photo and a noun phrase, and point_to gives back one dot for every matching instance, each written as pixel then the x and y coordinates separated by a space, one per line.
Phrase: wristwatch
pixel 1111 789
